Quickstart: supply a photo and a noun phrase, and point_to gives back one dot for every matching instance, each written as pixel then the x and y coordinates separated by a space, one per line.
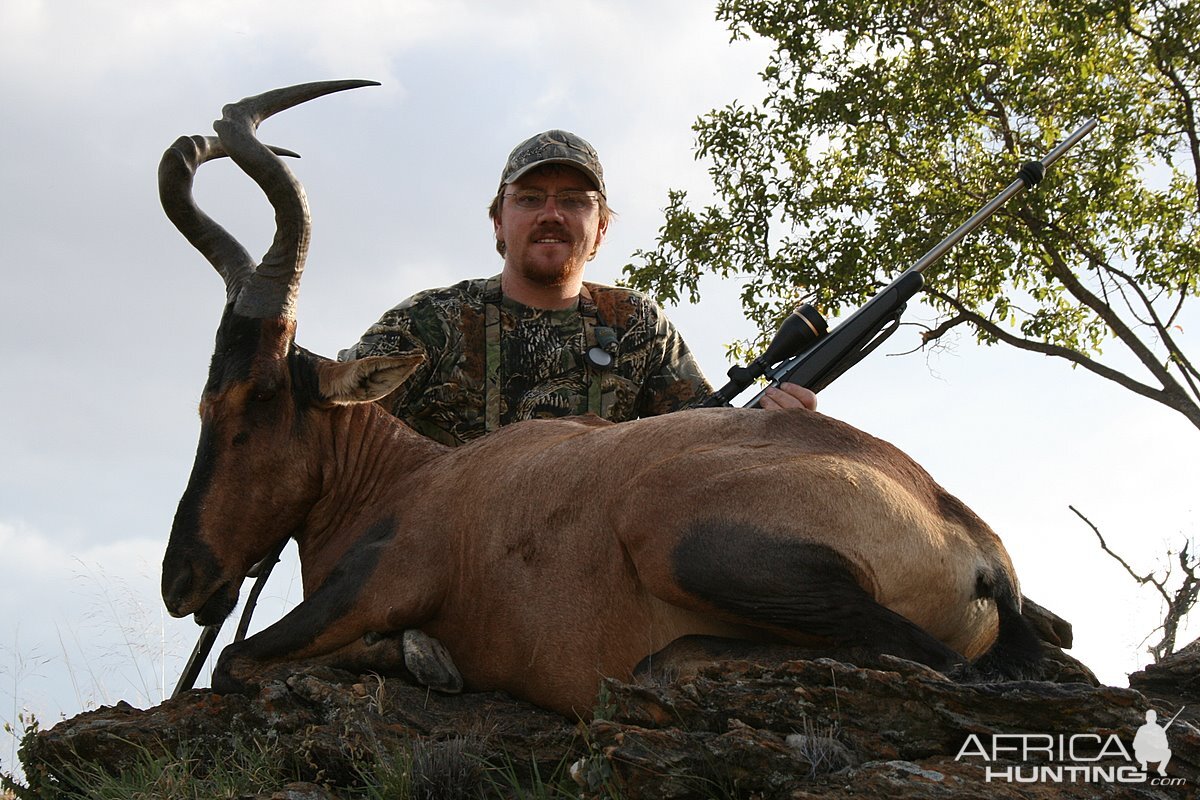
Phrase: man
pixel 537 340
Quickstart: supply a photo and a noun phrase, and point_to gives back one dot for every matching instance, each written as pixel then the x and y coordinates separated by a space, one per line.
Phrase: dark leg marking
pixel 796 586
pixel 298 629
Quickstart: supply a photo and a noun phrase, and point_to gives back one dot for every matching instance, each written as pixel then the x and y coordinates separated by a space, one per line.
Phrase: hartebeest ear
pixel 364 379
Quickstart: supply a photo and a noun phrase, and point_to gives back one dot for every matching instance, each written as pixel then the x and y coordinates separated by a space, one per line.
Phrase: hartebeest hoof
pixel 227 678
pixel 430 663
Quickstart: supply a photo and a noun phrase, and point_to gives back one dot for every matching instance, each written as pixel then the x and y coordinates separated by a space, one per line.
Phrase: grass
pixel 193 771
pixel 433 770
pixel 820 747
pixel 424 770
pixel 504 778
pixel 66 671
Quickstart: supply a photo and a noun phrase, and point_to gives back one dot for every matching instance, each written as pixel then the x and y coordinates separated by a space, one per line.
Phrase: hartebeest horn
pixel 176 172
pixel 268 290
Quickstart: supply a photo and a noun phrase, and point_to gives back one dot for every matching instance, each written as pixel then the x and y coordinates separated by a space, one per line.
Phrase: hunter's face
pixel 551 244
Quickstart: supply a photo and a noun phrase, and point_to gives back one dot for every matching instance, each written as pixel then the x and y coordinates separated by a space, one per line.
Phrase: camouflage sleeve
pixel 675 380
pixel 400 331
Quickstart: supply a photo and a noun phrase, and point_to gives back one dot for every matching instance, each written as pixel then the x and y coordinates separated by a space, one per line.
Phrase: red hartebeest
pixel 548 553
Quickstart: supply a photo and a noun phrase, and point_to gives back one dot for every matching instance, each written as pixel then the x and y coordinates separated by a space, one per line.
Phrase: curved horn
pixel 271 289
pixel 176 171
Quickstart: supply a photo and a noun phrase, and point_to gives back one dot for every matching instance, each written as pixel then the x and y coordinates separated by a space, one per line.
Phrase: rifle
pixel 804 350
pixel 208 634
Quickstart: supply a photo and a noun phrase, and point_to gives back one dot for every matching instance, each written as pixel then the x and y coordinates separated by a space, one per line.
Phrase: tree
pixel 886 124
pixel 1177 602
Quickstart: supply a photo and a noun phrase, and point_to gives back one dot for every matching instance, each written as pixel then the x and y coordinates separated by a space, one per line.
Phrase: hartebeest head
pixel 255 476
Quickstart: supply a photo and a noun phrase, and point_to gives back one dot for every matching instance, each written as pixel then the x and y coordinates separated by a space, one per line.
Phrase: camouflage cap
pixel 554 147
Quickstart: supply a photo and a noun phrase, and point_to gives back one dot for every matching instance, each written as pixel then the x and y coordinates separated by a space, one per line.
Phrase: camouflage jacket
pixel 542 371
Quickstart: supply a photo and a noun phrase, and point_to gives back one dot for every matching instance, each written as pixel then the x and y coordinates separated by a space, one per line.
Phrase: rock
pixel 896 732
pixel 325 727
pixel 797 729
pixel 1176 678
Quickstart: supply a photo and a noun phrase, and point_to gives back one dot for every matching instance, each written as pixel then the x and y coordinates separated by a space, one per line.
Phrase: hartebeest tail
pixel 548 553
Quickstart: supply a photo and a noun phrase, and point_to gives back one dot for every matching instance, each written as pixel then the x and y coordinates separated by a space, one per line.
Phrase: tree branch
pixel 1102 265
pixel 1142 579
pixel 1189 105
pixel 1063 272
pixel 1173 395
pixel 1075 357
pixel 1178 604
pixel 1164 332
pixel 933 334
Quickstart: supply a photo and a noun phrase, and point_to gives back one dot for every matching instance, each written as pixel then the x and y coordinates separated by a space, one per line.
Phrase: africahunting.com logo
pixel 1076 758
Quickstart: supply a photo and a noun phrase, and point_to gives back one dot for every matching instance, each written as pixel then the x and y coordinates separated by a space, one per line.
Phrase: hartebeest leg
pixel 411 655
pixel 330 623
pixel 306 632
pixel 800 590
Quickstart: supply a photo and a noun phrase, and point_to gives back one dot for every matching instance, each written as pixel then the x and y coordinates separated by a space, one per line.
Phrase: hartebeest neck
pixel 368 455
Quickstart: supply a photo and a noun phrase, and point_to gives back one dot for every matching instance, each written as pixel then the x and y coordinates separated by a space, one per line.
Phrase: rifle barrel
pixel 1069 142
pixel 1013 188
pixel 829 353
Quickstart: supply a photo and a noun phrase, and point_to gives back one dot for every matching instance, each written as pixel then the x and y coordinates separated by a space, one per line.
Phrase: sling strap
pixel 493 394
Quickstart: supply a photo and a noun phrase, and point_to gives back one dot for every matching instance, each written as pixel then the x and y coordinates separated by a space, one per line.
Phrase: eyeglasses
pixel 572 201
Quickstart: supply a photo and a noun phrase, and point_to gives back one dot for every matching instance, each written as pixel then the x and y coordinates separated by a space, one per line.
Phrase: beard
pixel 557 264
pixel 550 274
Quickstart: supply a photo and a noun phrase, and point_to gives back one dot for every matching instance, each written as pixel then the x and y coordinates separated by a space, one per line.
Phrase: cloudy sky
pixel 107 315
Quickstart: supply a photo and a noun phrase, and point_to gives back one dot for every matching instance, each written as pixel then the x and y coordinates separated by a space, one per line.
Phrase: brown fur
pixel 549 553
pixel 541 555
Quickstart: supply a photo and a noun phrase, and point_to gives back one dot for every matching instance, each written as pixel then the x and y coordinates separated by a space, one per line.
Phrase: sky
pixel 107 314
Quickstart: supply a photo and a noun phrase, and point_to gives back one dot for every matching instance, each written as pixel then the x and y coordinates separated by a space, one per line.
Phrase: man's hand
pixel 788 395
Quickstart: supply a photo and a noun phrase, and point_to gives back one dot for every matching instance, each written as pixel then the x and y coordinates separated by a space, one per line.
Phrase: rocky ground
pixel 795 729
